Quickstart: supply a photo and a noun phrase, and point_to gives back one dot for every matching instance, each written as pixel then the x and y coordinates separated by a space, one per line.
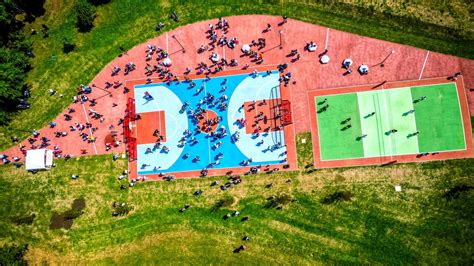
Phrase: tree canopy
pixel 15 51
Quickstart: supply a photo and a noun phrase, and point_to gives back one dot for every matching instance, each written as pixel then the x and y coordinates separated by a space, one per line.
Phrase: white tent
pixel 167 61
pixel 363 69
pixel 324 59
pixel 39 159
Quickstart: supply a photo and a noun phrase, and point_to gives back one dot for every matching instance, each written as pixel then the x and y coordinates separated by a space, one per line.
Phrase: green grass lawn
pixel 438 118
pixel 417 226
pixel 334 142
pixel 443 27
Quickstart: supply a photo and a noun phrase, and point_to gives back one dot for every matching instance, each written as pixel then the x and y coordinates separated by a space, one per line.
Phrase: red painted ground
pixel 208 128
pixel 405 64
pixel 146 126
pixel 319 163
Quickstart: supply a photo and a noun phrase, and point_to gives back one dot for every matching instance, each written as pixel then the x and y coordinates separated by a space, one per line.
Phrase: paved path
pixel 406 63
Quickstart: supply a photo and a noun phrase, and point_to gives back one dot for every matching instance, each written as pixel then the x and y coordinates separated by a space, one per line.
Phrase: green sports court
pixel 389 122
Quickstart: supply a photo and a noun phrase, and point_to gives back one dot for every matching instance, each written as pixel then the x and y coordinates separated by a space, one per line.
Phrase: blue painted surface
pixel 170 98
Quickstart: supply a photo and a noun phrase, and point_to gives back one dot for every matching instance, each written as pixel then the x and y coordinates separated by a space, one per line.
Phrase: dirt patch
pixel 66 218
pixel 79 204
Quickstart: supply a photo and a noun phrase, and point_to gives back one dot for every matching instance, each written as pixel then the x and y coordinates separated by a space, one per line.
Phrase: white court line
pixel 388 121
pixel 424 64
pixel 398 154
pixel 327 37
pixel 460 112
pixel 370 84
pixel 207 117
pixel 223 54
pixel 414 122
pixel 167 50
pixel 90 129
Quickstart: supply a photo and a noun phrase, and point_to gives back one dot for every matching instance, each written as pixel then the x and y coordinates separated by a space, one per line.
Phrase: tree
pixel 85 13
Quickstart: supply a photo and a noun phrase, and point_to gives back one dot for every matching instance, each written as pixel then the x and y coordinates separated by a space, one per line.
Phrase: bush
pixel 122 209
pixel 85 13
pixel 279 200
pixel 72 214
pixel 68 45
pixel 13 255
pixel 337 196
pixel 456 191
pixel 26 219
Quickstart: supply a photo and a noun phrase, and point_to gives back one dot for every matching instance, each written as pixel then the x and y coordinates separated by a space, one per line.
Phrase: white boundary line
pixel 424 64
pixel 460 112
pixel 90 129
pixel 361 117
pixel 167 50
pixel 370 84
pixel 294 129
pixel 311 127
pixel 223 54
pixel 317 122
pixel 389 123
pixel 401 154
pixel 327 37
pixel 398 88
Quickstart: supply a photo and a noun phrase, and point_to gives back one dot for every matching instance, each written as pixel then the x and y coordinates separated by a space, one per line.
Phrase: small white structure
pixel 167 62
pixel 363 69
pixel 324 59
pixel 347 63
pixel 215 58
pixel 39 159
pixel 245 48
pixel 398 188
pixel 312 47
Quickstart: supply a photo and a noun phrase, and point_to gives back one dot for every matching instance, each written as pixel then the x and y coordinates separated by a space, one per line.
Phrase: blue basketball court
pixel 221 99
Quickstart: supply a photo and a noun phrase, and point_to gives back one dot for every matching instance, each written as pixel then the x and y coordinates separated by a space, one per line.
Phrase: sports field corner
pixel 390 122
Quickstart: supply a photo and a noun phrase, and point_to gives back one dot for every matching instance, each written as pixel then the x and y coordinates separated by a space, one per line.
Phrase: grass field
pixel 418 226
pixel 373 114
pixel 442 26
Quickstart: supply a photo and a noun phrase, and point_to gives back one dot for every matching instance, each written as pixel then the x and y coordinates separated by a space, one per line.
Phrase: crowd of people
pixel 218 35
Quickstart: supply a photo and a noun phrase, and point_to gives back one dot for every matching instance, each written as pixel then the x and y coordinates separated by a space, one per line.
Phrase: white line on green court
pixel 389 107
pixel 389 124
pixel 460 111
pixel 414 123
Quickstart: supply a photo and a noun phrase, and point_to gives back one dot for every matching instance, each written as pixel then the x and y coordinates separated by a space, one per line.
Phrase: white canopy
pixel 245 48
pixel 347 62
pixel 167 61
pixel 324 59
pixel 215 58
pixel 364 69
pixel 39 159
